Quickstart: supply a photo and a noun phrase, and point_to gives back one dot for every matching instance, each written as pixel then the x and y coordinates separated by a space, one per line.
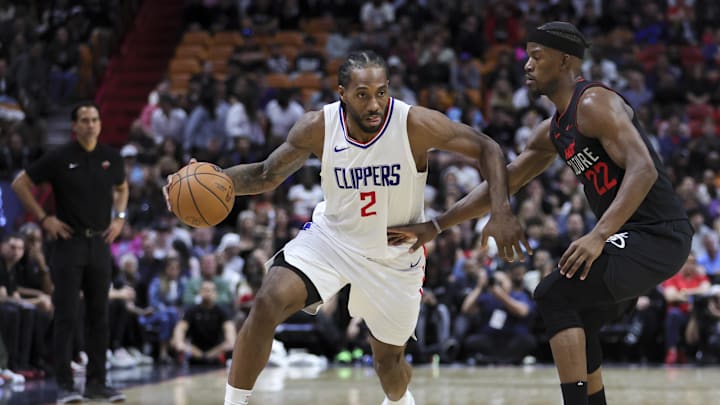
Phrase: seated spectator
pixel 123 314
pixel 168 121
pixel 704 326
pixel 677 291
pixel 282 113
pixel 710 260
pixel 502 314
pixel 7 84
pixel 35 286
pixel 228 253
pixel 309 59
pixel 305 195
pixel 645 324
pixel 277 62
pixel 17 315
pixel 208 272
pixel 205 334
pixel 64 56
pixel 165 297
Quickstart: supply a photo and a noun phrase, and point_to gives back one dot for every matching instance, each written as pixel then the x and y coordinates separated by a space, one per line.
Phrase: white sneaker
pixel 122 359
pixel 12 378
pixel 77 368
pixel 140 357
pixel 83 358
pixel 278 355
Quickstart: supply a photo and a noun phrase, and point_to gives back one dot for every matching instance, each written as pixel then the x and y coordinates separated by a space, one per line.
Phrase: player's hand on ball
pixel 169 181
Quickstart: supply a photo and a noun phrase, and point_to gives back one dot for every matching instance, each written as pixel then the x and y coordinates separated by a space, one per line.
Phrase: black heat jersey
pixel 600 176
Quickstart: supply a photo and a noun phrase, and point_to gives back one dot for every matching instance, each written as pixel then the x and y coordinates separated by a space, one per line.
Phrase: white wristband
pixel 436 225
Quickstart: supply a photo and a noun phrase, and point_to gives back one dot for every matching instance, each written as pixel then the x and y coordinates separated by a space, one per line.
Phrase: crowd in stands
pixel 180 293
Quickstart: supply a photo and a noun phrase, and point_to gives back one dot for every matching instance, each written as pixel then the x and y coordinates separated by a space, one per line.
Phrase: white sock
pixel 406 399
pixel 236 396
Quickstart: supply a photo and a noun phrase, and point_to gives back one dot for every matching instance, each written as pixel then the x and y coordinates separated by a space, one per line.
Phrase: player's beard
pixel 360 121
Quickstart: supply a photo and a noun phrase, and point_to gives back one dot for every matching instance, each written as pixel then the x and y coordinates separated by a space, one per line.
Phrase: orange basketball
pixel 201 194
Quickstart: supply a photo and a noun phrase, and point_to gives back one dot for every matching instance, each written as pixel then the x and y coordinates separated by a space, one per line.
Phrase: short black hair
pixel 359 60
pixel 565 30
pixel 83 104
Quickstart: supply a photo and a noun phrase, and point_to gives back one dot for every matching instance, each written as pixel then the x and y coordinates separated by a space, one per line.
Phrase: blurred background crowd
pixel 224 80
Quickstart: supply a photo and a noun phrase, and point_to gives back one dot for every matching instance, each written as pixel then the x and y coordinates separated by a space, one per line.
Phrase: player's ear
pixel 341 92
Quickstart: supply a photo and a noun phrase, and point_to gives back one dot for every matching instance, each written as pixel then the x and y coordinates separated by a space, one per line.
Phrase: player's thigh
pixel 317 263
pixel 389 302
pixel 282 293
pixel 580 295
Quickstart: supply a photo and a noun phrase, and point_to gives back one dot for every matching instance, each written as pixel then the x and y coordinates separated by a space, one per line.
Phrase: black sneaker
pixel 103 393
pixel 68 396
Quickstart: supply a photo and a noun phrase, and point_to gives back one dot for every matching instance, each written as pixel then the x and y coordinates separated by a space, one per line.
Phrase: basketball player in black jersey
pixel 642 235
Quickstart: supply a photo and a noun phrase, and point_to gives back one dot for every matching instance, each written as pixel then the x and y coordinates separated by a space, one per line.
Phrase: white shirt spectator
pixel 377 14
pixel 282 119
pixel 237 124
pixel 164 126
pixel 304 200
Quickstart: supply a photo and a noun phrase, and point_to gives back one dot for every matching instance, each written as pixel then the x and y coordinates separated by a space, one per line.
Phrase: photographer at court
pixel 500 314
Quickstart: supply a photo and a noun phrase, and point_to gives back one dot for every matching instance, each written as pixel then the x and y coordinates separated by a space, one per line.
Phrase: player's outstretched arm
pixel 304 138
pixel 536 157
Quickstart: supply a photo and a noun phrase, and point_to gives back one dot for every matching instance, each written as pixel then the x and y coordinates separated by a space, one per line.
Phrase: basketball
pixel 201 195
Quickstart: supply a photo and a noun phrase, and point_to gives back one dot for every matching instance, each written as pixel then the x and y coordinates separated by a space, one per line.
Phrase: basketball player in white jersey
pixel 374 160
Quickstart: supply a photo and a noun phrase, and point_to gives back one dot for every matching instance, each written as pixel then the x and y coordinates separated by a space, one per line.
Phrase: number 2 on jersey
pixel 594 177
pixel 365 210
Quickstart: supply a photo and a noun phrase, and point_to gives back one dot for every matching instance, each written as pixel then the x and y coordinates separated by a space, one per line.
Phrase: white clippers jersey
pixel 369 186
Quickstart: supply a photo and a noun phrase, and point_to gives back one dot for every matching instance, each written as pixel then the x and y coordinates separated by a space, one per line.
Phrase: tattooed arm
pixel 304 138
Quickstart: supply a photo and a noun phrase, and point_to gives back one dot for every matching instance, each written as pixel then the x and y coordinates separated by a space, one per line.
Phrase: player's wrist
pixel 436 225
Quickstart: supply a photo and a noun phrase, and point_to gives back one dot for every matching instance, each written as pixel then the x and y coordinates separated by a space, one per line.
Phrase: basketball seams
pixel 196 198
pixel 212 193
pixel 192 197
pixel 178 195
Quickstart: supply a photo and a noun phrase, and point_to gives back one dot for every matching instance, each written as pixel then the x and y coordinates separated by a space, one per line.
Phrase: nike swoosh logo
pixel 416 263
pixel 73 165
pixel 341 149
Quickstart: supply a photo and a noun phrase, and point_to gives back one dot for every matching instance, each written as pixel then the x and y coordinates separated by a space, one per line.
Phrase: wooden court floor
pixel 440 386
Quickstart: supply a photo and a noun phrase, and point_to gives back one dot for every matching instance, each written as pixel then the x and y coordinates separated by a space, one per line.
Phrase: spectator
pixel 208 272
pixel 282 112
pixel 165 296
pixel 309 59
pixel 710 259
pixel 16 313
pixel 502 314
pixel 64 57
pixel 677 291
pixel 205 334
pixel 305 195
pixel 277 62
pixel 168 120
pixel 376 15
pixel 636 93
pixel 340 40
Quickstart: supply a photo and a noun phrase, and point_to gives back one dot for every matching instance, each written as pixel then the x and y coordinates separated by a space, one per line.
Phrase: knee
pixel 272 307
pixel 385 363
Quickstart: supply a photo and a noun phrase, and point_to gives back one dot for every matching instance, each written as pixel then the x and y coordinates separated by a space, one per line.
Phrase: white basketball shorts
pixel 384 293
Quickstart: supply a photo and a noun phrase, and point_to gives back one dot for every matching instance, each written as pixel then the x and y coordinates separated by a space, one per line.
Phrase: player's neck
pixel 355 132
pixel 562 94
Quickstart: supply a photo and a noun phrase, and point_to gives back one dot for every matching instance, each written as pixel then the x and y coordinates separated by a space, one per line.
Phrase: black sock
pixel 575 393
pixel 597 398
